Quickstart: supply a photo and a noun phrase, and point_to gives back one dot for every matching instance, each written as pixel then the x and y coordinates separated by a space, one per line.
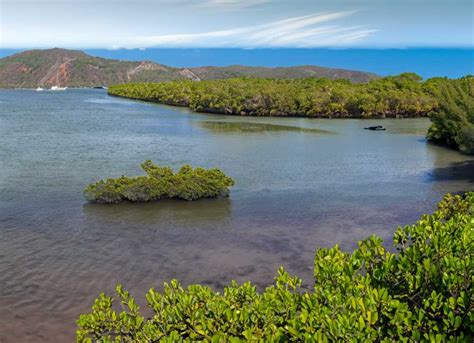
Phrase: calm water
pixel 300 184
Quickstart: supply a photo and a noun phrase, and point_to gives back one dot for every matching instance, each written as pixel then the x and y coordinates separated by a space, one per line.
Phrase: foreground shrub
pixel 423 292
pixel 161 183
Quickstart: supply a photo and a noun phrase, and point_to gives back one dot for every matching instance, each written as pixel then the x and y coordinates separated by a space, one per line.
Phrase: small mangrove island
pixel 161 183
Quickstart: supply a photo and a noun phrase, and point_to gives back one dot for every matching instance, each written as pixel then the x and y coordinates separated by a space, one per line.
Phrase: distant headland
pixel 75 68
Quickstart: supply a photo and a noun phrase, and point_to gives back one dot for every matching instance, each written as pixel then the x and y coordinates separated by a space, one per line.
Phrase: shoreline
pixel 46 89
pixel 221 113
pixel 266 116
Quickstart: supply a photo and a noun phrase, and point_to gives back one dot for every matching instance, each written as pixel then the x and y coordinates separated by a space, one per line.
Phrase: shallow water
pixel 300 184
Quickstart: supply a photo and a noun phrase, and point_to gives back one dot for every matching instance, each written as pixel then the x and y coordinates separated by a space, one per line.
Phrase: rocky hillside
pixel 72 68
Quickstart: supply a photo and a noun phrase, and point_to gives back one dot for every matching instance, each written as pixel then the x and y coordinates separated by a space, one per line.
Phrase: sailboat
pixel 39 89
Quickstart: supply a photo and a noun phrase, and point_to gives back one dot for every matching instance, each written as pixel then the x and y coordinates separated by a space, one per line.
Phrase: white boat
pixel 58 88
pixel 39 89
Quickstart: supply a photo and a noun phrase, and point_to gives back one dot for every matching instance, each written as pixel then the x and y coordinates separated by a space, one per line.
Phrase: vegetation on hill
pixel 422 292
pixel 453 123
pixel 161 183
pixel 73 68
pixel 297 72
pixel 403 95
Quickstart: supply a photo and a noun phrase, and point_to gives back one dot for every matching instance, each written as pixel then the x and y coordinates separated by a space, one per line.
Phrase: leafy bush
pixel 161 183
pixel 421 292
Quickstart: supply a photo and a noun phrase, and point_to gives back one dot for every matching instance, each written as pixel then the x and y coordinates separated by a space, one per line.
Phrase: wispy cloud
pixel 230 4
pixel 314 30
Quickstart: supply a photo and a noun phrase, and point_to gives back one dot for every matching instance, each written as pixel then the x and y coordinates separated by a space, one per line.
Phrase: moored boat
pixel 58 88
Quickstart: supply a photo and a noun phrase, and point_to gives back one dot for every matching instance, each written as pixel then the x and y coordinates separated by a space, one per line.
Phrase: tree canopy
pixel 402 95
pixel 453 122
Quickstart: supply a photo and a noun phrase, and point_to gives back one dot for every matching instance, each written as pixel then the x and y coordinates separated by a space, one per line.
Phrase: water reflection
pixel 254 127
pixel 407 127
pixel 109 101
pixel 455 171
pixel 411 131
pixel 207 213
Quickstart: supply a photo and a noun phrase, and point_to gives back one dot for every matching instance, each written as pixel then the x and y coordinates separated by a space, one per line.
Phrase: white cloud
pixel 230 4
pixel 304 31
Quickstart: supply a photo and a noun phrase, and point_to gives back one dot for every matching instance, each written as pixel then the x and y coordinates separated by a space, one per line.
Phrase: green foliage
pixel 453 124
pixel 401 95
pixel 161 183
pixel 421 292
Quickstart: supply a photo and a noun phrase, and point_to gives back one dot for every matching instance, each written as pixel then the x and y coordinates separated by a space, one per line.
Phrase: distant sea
pixel 427 62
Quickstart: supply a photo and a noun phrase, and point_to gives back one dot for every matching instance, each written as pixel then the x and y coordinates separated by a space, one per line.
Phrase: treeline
pixel 400 96
pixel 421 292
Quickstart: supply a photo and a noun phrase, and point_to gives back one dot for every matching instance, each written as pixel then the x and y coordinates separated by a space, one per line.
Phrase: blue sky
pixel 114 24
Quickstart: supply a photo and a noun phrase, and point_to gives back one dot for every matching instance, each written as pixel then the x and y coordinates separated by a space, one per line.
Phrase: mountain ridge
pixel 75 68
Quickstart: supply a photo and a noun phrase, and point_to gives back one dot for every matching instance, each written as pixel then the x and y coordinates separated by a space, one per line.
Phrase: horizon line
pixel 466 47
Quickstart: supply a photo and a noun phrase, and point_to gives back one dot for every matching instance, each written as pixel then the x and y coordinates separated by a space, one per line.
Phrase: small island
pixel 161 183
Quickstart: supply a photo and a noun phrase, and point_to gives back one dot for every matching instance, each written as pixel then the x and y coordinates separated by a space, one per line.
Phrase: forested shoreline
pixel 449 102
pixel 399 96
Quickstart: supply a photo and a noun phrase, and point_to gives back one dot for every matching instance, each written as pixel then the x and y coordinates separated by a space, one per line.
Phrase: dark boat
pixel 375 128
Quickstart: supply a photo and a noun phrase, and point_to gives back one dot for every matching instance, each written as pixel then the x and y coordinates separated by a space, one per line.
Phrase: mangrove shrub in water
pixel 161 183
pixel 423 291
